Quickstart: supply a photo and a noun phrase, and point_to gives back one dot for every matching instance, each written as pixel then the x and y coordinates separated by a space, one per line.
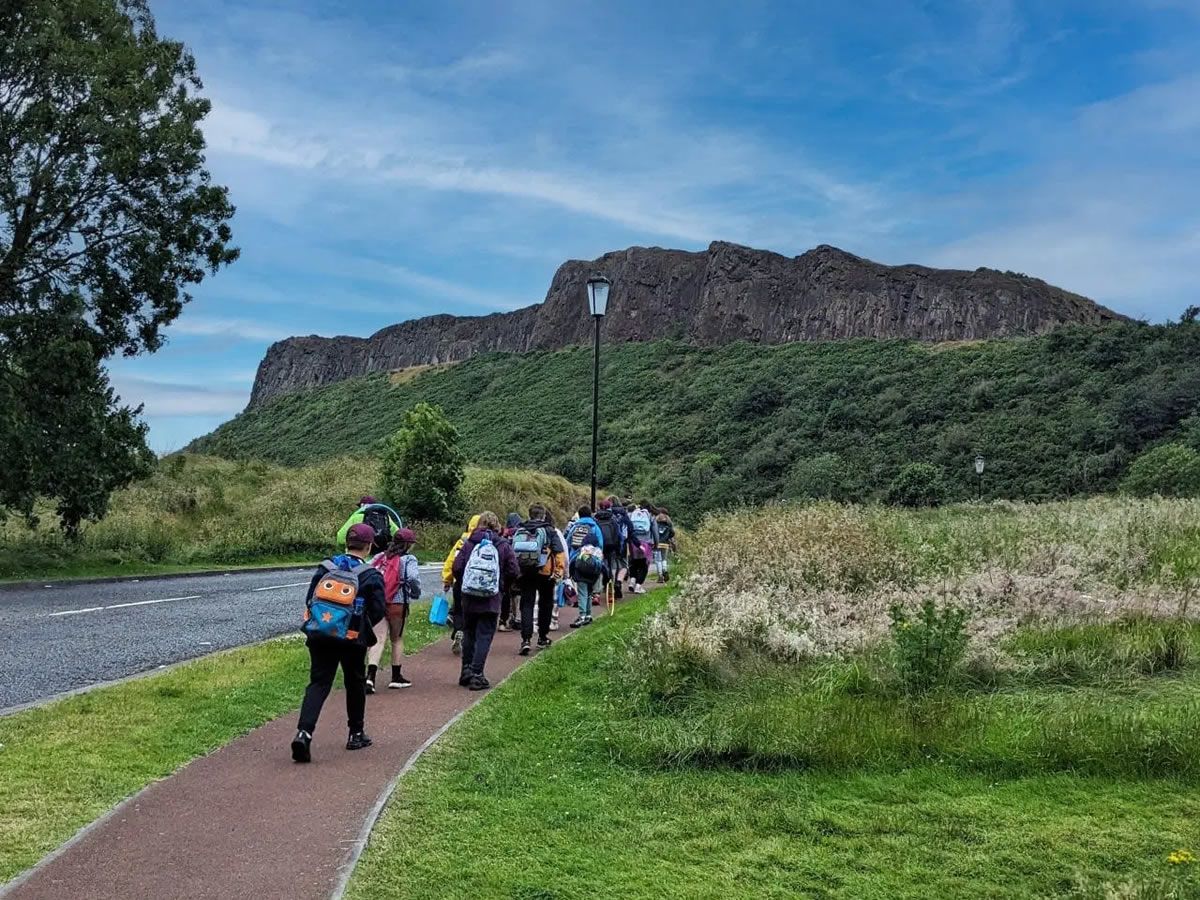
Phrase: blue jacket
pixel 595 538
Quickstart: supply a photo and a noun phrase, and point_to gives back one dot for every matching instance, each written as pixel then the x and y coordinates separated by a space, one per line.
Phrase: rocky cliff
pixel 726 293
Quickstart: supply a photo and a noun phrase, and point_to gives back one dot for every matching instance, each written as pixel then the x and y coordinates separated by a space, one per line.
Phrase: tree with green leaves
pixel 107 218
pixel 1172 470
pixel 918 484
pixel 422 471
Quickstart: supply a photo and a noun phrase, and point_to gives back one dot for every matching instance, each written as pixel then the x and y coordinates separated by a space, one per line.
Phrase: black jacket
pixel 370 588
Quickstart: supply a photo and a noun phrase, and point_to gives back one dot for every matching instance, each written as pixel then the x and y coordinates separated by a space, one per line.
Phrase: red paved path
pixel 247 822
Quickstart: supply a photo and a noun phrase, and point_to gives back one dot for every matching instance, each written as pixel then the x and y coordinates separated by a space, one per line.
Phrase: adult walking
pixel 384 522
pixel 344 603
pixel 483 569
pixel 541 558
pixel 585 546
pixel 664 546
pixel 610 527
pixel 401 586
pixel 449 584
pixel 643 536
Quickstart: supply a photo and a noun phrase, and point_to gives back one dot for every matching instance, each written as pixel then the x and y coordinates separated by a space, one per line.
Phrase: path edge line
pixel 9 886
pixel 381 802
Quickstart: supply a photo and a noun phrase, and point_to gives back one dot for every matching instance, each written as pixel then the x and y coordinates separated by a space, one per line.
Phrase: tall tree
pixel 107 218
pixel 423 468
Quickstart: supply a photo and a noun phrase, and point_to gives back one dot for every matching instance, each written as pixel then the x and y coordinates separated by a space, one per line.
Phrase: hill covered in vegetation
pixel 701 428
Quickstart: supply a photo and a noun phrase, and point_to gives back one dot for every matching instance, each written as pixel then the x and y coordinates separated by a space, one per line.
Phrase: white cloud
pixel 234 329
pixel 164 398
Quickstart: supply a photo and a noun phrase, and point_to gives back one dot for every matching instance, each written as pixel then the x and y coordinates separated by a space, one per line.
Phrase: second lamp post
pixel 597 288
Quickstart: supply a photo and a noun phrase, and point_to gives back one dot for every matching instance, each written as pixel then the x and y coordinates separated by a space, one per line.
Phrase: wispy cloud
pixel 165 398
pixel 230 328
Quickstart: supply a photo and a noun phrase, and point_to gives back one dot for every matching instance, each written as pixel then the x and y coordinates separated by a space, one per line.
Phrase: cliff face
pixel 727 293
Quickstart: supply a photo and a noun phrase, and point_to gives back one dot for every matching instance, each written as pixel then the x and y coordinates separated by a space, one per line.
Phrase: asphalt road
pixel 68 636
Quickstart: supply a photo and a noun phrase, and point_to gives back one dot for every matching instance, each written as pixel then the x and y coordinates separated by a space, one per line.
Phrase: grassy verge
pixel 65 764
pixel 528 799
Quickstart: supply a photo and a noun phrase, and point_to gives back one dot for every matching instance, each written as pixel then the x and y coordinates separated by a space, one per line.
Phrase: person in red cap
pixel 401 585
pixel 345 602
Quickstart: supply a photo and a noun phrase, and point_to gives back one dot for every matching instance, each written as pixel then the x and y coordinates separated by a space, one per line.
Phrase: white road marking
pixel 275 587
pixel 75 612
pixel 151 602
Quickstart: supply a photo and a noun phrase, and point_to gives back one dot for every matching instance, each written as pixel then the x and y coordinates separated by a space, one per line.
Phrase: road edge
pixel 166 576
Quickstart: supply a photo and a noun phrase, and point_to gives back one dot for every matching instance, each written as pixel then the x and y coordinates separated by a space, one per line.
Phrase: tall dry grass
pixel 819 580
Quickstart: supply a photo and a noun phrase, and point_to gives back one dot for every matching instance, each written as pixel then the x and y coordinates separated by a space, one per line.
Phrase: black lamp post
pixel 597 288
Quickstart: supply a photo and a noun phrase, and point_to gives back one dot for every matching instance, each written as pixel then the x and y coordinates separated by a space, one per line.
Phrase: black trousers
pixel 326 656
pixel 478 630
pixel 541 589
pixel 613 563
pixel 456 608
pixel 639 569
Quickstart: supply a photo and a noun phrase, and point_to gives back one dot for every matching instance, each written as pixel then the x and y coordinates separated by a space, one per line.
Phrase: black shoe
pixel 524 651
pixel 302 747
pixel 666 577
pixel 578 623
pixel 544 642
pixel 464 678
pixel 479 683
pixel 370 685
pixel 358 741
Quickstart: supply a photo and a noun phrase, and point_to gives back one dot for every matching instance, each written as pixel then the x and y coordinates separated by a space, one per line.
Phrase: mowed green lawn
pixel 526 799
pixel 65 764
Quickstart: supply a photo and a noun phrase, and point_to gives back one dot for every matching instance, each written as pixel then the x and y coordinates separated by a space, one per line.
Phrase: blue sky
pixel 392 160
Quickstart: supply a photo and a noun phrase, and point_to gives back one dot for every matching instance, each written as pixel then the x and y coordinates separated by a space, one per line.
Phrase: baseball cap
pixel 606 504
pixel 407 535
pixel 364 501
pixel 360 534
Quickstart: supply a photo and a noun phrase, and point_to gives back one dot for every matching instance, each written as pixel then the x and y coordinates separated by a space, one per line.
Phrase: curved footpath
pixel 245 821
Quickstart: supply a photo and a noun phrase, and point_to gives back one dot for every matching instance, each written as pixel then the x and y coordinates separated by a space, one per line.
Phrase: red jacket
pixel 510 571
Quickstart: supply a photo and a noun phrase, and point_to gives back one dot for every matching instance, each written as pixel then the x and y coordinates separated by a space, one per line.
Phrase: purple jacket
pixel 510 570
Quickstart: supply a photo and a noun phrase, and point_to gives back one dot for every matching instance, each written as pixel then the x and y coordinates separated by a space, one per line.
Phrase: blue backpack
pixel 335 609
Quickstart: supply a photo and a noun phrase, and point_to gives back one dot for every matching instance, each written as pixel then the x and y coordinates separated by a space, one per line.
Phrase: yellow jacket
pixel 448 565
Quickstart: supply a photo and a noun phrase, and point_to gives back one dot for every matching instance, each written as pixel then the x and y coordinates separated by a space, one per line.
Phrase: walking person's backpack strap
pixel 335 609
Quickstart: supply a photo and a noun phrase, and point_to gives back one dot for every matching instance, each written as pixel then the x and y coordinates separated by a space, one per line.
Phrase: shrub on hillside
pixel 1172 470
pixel 918 484
pixel 423 469
pixel 824 477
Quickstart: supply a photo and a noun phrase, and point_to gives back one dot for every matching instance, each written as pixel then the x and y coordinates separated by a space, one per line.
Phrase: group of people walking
pixel 515 575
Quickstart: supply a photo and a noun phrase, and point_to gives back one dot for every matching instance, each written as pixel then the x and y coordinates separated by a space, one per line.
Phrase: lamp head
pixel 597 288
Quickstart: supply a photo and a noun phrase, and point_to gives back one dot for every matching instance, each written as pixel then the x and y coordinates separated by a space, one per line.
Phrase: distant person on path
pixel 542 560
pixel 620 511
pixel 610 527
pixel 643 536
pixel 401 585
pixel 509 601
pixel 384 521
pixel 664 546
pixel 448 584
pixel 344 603
pixel 560 589
pixel 585 545
pixel 483 569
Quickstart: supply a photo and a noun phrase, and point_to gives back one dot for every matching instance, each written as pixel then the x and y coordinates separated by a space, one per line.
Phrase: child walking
pixel 401 586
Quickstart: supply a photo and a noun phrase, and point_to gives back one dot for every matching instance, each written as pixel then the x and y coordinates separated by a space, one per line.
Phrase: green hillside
pixel 701 428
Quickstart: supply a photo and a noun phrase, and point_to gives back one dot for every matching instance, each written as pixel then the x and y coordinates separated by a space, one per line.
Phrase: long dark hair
pixel 398 546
